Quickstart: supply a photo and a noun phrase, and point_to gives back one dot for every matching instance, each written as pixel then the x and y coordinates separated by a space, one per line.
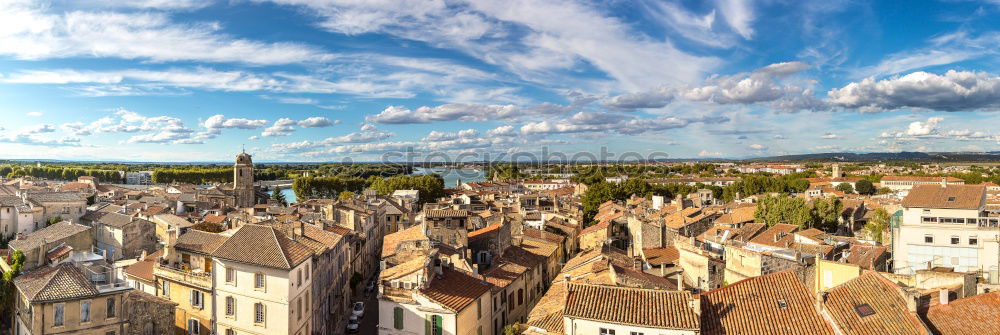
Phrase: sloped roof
pixel 950 196
pixel 979 314
pixel 776 303
pixel 199 241
pixel 53 233
pixel 631 306
pixel 57 197
pixel 455 289
pixel 60 282
pixel 846 302
pixel 264 246
pixel 144 267
pixel 391 241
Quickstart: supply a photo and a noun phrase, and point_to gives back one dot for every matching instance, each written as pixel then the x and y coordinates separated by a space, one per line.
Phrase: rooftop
pixel 631 306
pixel 948 196
pixel 776 303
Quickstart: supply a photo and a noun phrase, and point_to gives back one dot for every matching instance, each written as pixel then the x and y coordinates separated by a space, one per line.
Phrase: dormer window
pixel 782 303
pixel 951 199
pixel 864 310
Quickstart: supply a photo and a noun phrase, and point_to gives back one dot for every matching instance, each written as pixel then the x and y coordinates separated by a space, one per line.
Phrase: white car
pixel 353 326
pixel 358 309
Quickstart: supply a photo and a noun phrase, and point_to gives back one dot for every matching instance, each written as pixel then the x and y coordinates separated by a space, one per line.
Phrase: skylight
pixel 864 310
pixel 951 199
pixel 782 303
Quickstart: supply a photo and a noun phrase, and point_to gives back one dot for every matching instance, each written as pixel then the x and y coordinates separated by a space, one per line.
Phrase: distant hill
pixel 886 156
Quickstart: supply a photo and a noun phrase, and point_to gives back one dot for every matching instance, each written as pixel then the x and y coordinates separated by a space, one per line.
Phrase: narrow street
pixel 369 324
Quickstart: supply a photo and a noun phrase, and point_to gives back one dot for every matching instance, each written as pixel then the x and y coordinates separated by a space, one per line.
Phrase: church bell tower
pixel 243 188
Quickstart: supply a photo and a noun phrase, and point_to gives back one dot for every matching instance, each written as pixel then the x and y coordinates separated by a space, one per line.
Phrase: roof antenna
pixel 244 148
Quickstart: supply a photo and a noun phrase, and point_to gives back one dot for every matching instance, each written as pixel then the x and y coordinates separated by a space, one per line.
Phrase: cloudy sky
pixel 328 80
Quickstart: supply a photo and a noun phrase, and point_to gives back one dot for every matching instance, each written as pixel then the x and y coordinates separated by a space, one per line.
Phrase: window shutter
pixel 398 317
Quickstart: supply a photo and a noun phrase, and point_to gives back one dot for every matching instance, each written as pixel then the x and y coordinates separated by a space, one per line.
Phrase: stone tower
pixel 836 171
pixel 243 181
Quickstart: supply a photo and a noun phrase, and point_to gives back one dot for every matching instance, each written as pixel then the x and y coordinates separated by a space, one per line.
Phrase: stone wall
pixel 148 314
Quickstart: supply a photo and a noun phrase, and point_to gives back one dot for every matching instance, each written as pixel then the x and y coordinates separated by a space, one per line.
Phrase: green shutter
pixel 397 318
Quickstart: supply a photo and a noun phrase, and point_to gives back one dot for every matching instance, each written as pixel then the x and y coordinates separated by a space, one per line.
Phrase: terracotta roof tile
pixel 144 267
pixel 668 255
pixel 846 303
pixel 978 314
pixel 391 241
pixel 631 306
pixel 455 289
pixel 264 246
pixel 776 303
pixel 60 282
pixel 951 196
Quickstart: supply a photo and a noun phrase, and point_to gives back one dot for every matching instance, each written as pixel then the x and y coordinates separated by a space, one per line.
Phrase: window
pixel 193 327
pixel 58 319
pixel 397 318
pixel 479 309
pixel 166 289
pixel 230 331
pixel 437 325
pixel 955 240
pixel 520 296
pixel 231 276
pixel 197 298
pixel 112 311
pixel 258 280
pixel 258 313
pixel 85 311
pixel 973 240
pixel 298 280
pixel 636 333
pixel 230 306
pixel 307 271
pixel 605 331
pixel 298 308
pixel 110 333
pixel 928 238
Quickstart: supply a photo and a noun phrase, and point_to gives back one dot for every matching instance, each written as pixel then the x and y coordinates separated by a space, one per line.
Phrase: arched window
pixel 397 317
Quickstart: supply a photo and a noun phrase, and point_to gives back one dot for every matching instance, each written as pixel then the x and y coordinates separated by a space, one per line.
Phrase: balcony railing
pixel 982 222
pixel 184 274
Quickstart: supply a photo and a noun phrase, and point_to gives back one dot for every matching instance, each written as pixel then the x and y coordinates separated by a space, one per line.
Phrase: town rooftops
pixel 979 314
pixel 631 306
pixel 947 196
pixel 143 268
pixel 172 220
pixel 48 234
pixel 455 289
pixel 264 246
pixel 117 220
pixel 776 303
pixel 922 179
pixel 445 213
pixel 391 241
pixel 57 283
pixel 870 304
pixel 199 241
pixel 57 197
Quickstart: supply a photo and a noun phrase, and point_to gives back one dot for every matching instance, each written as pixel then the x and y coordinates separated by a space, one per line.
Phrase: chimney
pixel 680 280
pixel 680 202
pixel 695 305
pixel 143 255
pixel 943 297
pixel 944 182
pixel 657 202
pixel 475 270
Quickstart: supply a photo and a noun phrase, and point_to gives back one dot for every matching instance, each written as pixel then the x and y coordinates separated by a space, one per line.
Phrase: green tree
pixel 865 187
pixel 54 220
pixel 513 329
pixel 772 210
pixel 276 195
pixel 826 212
pixel 846 188
pixel 598 194
pixel 877 224
pixel 346 195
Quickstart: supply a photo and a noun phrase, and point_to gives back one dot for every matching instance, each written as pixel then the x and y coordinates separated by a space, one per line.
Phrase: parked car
pixel 358 309
pixel 353 326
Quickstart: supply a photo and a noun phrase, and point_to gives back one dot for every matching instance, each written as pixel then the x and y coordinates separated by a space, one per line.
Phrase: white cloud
pixel 507 130
pixel 829 136
pixel 761 85
pixel 219 121
pixel 448 112
pixel 739 15
pixel 436 136
pixel 758 146
pixel 954 91
pixel 706 153
pixel 34 114
pixel 918 128
pixel 656 98
pixel 30 31
pixel 281 127
pixel 317 122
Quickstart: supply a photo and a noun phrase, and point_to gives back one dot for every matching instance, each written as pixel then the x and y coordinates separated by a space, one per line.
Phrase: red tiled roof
pixel 776 303
pixel 455 289
pixel 485 230
pixel 950 196
pixel 846 302
pixel 978 314
pixel 631 306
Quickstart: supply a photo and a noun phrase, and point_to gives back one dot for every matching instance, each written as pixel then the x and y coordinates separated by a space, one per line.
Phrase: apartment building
pixel 904 184
pixel 184 275
pixel 264 283
pixel 945 225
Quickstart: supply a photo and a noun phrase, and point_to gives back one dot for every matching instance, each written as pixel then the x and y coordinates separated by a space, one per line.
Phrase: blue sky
pixel 335 80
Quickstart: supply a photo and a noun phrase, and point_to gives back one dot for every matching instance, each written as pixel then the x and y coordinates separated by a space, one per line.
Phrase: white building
pixel 944 225
pixel 609 310
pixel 903 184
pixel 262 283
pixel 139 178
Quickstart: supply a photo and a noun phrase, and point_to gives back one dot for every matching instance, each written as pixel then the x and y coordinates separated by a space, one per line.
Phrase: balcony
pixel 397 294
pixel 184 274
pixel 981 222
